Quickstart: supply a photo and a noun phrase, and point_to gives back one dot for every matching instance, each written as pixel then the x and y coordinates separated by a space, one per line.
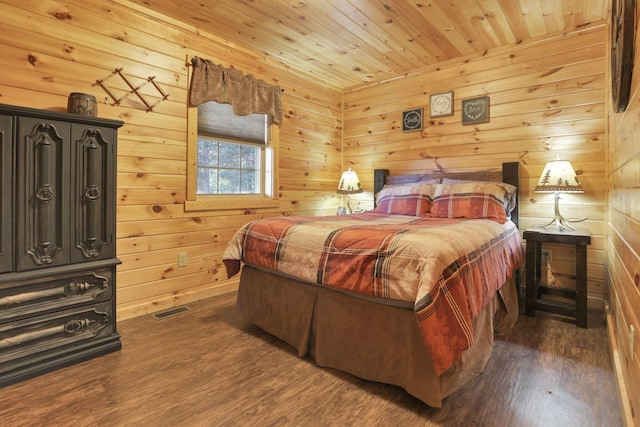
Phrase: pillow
pixel 479 199
pixel 407 199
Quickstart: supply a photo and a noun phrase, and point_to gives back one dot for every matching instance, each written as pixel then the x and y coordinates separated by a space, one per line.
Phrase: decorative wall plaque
pixel 475 110
pixel 441 104
pixel 412 120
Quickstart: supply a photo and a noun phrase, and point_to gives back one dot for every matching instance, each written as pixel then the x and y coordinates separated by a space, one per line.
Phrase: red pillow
pixel 409 199
pixel 474 200
pixel 406 204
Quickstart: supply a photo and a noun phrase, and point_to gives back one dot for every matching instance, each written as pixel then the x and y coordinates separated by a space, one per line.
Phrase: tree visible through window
pixel 231 151
pixel 228 168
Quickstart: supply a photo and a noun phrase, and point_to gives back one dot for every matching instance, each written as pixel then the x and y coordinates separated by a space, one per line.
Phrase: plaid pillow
pixel 409 199
pixel 474 200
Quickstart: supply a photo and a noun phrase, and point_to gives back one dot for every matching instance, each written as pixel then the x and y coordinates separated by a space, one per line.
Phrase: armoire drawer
pixel 39 295
pixel 36 341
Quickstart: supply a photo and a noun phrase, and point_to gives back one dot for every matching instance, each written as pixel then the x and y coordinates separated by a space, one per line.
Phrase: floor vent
pixel 171 312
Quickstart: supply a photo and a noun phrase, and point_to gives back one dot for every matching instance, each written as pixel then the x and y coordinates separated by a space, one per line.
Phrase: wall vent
pixel 171 312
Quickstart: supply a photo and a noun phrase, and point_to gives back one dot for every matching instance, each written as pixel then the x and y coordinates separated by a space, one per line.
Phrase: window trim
pixel 208 202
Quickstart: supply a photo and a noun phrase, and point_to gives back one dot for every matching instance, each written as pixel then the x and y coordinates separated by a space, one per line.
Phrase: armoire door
pixel 6 185
pixel 42 193
pixel 93 193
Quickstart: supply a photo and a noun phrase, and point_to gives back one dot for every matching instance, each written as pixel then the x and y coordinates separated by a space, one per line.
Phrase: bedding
pixel 474 200
pixel 448 269
pixel 366 338
pixel 422 303
pixel 410 199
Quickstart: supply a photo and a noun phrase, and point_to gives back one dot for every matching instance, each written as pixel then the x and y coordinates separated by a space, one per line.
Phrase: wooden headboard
pixel 510 174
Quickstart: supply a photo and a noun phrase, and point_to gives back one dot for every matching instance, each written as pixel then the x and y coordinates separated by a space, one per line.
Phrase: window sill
pixel 230 203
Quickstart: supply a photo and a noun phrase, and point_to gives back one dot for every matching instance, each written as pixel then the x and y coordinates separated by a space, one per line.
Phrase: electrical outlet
pixel 546 256
pixel 182 259
pixel 631 341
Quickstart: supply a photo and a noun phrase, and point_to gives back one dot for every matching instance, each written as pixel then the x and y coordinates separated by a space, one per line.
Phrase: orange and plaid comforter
pixel 448 268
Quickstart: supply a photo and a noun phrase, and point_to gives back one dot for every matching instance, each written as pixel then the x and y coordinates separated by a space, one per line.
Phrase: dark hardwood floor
pixel 205 367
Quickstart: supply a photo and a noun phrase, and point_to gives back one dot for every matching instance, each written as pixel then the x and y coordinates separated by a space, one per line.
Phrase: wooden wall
pixel 623 243
pixel 547 97
pixel 52 48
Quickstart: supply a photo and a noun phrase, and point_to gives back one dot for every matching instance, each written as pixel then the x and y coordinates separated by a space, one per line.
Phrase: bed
pixel 378 294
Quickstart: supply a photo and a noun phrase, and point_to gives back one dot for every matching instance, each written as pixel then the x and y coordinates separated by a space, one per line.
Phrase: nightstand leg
pixel 581 286
pixel 531 278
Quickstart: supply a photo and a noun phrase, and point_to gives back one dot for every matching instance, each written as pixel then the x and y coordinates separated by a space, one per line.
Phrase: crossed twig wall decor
pixel 134 89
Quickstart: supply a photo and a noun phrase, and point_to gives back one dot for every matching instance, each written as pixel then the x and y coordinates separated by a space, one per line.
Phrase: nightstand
pixel 535 292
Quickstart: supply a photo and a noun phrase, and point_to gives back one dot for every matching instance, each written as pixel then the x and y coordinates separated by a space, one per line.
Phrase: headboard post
pixel 511 175
pixel 379 178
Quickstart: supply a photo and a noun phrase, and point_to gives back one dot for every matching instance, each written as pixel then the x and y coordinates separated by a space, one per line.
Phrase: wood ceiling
pixel 345 43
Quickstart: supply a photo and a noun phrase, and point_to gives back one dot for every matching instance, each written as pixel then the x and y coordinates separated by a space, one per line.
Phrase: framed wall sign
pixel 475 110
pixel 412 120
pixel 441 104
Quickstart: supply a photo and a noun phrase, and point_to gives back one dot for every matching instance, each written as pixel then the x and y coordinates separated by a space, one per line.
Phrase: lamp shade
pixel 349 183
pixel 558 176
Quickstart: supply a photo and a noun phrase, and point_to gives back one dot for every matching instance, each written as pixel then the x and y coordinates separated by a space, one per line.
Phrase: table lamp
pixel 349 184
pixel 558 177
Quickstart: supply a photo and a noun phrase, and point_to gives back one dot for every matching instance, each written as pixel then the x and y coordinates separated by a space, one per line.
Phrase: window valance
pixel 247 95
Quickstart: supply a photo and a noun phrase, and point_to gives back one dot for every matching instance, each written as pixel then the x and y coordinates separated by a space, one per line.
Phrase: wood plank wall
pixel 52 48
pixel 547 97
pixel 623 243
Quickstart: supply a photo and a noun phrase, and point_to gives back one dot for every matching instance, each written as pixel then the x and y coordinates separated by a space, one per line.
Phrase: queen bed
pixel 410 293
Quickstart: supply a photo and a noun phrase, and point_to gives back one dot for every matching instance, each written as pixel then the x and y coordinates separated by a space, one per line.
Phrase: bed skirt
pixel 372 341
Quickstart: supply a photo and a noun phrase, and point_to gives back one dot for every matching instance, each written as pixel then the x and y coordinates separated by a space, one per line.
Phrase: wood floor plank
pixel 206 367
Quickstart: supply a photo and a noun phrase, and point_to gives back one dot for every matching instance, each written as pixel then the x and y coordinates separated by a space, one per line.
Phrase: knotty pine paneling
pixel 345 43
pixel 52 48
pixel 623 243
pixel 547 97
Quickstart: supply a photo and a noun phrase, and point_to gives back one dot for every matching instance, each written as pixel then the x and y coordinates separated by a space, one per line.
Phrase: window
pixel 231 159
pixel 228 167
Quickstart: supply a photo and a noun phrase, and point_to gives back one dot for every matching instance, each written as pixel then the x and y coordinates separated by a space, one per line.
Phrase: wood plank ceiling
pixel 346 43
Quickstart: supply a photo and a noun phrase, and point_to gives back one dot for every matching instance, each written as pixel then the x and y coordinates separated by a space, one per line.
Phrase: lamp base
pixel 561 223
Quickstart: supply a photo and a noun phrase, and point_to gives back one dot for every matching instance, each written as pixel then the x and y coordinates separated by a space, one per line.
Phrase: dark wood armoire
pixel 57 240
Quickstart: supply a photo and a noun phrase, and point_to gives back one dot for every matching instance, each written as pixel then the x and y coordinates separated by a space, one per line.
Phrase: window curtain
pixel 247 95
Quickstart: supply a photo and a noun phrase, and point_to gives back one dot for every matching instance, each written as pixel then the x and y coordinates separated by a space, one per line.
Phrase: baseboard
pixel 595 302
pixel 166 301
pixel 623 398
